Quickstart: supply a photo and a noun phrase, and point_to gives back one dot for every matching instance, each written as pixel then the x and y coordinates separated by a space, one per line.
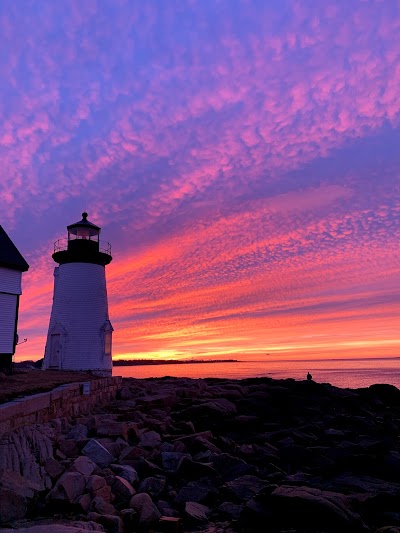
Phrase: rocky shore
pixel 211 455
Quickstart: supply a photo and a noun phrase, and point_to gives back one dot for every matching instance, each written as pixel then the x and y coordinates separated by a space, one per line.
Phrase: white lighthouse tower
pixel 79 336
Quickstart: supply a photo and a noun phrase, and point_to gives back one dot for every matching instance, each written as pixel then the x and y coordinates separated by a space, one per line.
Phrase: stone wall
pixel 64 401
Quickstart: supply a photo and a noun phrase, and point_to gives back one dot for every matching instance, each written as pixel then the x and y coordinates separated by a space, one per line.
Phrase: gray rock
pixel 77 433
pixel 246 487
pixel 170 460
pixel 153 485
pixel 98 453
pixel 196 491
pixel 316 508
pixel 147 510
pixel 69 488
pixel 150 439
pixel 197 511
pixel 122 489
pixel 230 509
pixel 127 472
pixel 100 506
pixel 84 465
pixel 13 506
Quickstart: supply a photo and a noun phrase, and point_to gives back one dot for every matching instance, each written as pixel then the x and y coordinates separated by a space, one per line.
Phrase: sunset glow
pixel 241 156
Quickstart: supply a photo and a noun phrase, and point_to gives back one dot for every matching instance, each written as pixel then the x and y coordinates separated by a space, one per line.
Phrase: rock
pixel 170 460
pixel 69 488
pixel 230 509
pixel 246 487
pixel 230 467
pixel 196 491
pixel 122 489
pixel 85 502
pixel 127 472
pixel 95 483
pixel 13 506
pixel 197 511
pixel 84 465
pixel 77 433
pixel 99 505
pixel 315 508
pixel 147 510
pixel 53 467
pixel 150 439
pixel 153 485
pixel 118 429
pixel 68 447
pixel 111 522
pixel 98 453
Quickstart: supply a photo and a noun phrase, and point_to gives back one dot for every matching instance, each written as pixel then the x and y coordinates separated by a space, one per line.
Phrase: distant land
pixel 137 362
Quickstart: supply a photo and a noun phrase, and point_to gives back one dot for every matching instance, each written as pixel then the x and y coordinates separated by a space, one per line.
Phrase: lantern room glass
pixel 83 232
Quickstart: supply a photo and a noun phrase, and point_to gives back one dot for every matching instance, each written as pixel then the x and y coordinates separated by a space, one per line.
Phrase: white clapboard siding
pixel 8 309
pixel 79 313
pixel 10 281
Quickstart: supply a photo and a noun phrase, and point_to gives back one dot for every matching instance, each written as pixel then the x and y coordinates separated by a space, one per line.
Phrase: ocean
pixel 346 373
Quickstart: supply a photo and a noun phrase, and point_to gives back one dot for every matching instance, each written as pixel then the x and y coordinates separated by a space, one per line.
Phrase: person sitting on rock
pixel 309 376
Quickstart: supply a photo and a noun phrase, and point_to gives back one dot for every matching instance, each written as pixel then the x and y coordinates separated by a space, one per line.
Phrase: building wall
pixel 79 314
pixel 10 281
pixel 8 314
pixel 10 289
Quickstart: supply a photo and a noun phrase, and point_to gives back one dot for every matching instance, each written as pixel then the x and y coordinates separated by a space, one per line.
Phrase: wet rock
pixel 98 453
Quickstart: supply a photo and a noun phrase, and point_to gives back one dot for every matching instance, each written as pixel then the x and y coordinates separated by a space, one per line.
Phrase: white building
pixel 80 331
pixel 12 264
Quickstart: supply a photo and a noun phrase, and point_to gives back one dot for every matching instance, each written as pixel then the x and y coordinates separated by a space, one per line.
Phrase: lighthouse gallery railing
pixel 62 245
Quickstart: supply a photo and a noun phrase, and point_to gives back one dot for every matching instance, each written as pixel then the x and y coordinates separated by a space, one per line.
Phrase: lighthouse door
pixel 55 350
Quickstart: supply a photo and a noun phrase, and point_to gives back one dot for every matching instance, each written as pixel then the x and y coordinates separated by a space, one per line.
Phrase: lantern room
pixel 83 230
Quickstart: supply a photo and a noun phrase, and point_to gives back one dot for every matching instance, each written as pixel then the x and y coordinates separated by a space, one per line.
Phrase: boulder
pixel 122 489
pixel 84 465
pixel 53 467
pixel 98 453
pixel 68 488
pixel 153 485
pixel 146 509
pixel 77 433
pixel 127 472
pixel 150 439
pixel 197 511
pixel 315 508
pixel 100 506
pixel 246 487
pixel 13 506
pixel 95 483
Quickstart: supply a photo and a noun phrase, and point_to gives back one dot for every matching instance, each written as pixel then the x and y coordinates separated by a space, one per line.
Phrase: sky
pixel 241 157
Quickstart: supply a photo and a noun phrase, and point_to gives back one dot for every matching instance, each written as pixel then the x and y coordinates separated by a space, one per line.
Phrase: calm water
pixel 350 373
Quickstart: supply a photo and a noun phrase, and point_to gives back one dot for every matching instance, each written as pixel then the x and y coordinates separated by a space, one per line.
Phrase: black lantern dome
pixel 83 245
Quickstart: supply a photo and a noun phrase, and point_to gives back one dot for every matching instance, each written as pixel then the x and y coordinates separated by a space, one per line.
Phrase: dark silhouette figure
pixel 309 376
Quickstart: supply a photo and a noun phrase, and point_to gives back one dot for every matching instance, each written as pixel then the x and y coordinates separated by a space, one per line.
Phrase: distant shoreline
pixel 140 362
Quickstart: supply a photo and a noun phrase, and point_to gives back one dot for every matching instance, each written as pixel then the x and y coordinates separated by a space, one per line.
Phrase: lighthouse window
pixel 107 342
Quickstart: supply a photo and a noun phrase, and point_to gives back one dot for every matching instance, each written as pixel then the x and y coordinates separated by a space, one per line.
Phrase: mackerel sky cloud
pixel 241 156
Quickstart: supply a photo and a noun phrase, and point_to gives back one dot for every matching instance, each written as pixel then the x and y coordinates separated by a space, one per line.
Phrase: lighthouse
pixel 80 331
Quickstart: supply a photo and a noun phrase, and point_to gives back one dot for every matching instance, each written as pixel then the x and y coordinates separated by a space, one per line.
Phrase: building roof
pixel 10 256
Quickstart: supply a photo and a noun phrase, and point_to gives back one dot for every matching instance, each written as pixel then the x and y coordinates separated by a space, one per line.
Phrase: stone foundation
pixel 67 400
